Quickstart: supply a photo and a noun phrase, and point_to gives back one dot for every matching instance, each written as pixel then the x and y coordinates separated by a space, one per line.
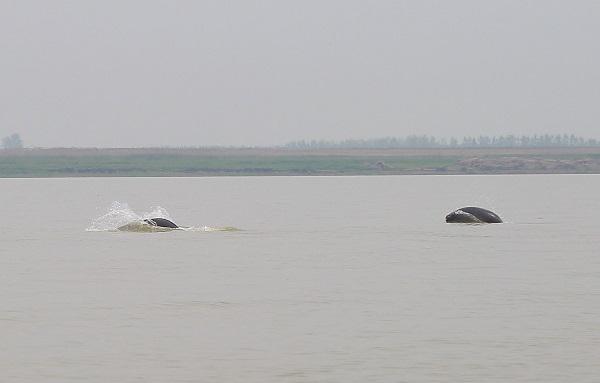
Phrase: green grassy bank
pixel 182 165
pixel 216 162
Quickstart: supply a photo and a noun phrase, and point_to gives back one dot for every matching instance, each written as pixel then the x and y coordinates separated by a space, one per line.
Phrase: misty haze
pixel 205 73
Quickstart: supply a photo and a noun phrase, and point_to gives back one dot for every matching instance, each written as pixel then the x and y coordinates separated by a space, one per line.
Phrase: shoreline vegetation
pixel 198 162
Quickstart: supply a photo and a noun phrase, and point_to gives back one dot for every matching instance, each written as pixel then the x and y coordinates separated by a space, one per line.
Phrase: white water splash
pixel 157 212
pixel 120 214
pixel 209 228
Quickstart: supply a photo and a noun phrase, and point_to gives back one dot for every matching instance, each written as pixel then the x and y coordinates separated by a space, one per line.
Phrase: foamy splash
pixel 120 214
pixel 209 228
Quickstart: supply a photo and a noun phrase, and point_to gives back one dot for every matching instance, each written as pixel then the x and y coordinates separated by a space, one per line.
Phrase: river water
pixel 329 279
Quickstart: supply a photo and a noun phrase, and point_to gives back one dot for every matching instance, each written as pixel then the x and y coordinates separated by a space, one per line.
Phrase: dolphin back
pixel 161 222
pixel 471 214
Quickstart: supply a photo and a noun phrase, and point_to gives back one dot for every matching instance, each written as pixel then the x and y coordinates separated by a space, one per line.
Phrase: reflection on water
pixel 348 279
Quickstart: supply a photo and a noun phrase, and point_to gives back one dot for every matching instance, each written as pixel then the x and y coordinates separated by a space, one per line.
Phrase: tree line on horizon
pixel 12 142
pixel 424 141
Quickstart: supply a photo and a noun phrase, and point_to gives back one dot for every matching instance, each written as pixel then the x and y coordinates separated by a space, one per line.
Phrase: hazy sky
pixel 169 73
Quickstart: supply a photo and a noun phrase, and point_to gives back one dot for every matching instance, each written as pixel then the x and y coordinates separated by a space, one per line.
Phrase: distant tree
pixel 12 142
pixel 416 141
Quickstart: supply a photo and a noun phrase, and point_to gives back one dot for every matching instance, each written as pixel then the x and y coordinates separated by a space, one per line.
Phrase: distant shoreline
pixel 199 162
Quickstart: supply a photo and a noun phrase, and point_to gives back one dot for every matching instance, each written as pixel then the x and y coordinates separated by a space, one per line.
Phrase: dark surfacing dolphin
pixel 472 214
pixel 161 222
pixel 150 225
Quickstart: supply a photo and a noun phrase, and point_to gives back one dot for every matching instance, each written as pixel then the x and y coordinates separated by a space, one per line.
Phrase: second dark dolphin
pixel 472 214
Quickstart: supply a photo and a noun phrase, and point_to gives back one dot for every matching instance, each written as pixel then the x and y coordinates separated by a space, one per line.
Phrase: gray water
pixel 333 279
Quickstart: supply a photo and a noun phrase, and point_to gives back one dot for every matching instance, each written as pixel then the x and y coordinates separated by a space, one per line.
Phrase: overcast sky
pixel 127 73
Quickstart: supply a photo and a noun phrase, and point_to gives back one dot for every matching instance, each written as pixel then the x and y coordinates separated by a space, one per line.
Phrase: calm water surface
pixel 342 279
